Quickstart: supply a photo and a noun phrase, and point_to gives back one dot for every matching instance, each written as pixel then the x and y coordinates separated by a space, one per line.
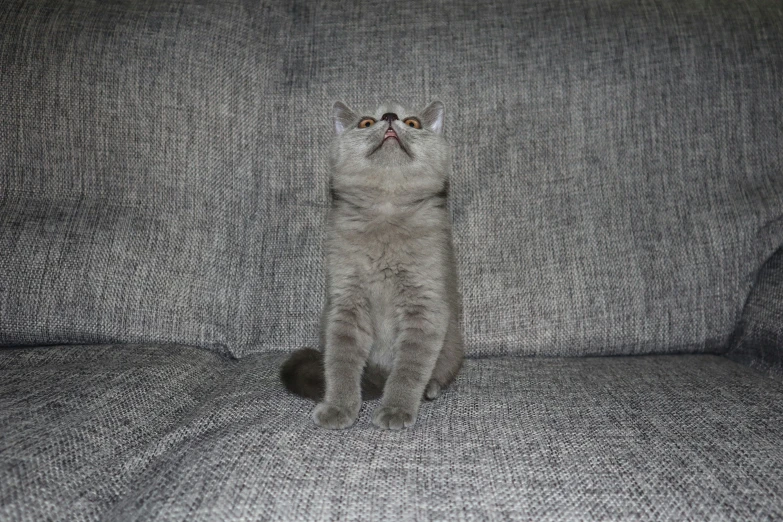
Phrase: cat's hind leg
pixel 449 362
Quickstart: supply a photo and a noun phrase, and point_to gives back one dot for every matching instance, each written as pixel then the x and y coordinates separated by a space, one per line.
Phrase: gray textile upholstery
pixel 758 341
pixel 617 189
pixel 617 179
pixel 140 433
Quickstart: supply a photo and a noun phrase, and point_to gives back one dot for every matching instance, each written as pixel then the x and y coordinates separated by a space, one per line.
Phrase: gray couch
pixel 617 197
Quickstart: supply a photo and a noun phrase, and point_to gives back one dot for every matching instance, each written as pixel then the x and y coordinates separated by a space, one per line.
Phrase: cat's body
pixel 391 320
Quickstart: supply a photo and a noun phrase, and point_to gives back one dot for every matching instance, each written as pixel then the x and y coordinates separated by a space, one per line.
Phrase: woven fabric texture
pixel 140 433
pixel 758 341
pixel 616 183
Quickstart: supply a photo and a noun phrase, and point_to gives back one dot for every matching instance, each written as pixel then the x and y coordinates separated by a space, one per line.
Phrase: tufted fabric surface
pixel 140 433
pixel 163 178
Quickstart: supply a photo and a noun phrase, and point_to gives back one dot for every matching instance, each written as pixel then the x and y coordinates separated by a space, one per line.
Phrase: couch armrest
pixel 758 339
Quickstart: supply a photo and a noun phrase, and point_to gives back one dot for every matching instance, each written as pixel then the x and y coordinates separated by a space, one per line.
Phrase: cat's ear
pixel 432 117
pixel 343 117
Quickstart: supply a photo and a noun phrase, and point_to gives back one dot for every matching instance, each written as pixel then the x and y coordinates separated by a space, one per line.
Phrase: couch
pixel 617 198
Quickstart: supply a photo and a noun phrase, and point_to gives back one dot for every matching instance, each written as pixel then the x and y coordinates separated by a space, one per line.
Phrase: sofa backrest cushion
pixel 617 175
pixel 758 340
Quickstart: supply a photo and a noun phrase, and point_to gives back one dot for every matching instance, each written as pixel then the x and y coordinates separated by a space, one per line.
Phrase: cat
pixel 391 323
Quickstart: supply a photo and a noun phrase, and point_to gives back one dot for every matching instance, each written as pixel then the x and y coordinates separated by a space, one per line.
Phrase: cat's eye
pixel 366 122
pixel 412 122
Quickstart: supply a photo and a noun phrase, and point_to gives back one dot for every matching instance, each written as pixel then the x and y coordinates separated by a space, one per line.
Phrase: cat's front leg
pixel 418 346
pixel 348 340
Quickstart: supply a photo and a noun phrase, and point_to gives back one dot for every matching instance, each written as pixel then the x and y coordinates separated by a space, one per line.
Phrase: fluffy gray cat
pixel 390 326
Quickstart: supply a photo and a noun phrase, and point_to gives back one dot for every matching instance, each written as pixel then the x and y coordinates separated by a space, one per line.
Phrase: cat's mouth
pixel 391 135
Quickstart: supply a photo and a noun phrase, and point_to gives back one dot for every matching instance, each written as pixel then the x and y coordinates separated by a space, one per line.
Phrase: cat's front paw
pixel 393 418
pixel 333 417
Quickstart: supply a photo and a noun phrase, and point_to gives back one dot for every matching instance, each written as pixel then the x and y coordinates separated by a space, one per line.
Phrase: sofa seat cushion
pixel 176 433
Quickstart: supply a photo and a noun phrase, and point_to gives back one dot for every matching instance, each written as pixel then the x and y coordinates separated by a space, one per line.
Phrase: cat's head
pixel 390 145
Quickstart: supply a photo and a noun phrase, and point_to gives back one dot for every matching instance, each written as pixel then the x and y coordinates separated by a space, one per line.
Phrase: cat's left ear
pixel 343 116
pixel 432 117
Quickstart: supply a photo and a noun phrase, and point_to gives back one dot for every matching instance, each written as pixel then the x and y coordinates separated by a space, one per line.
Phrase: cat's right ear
pixel 432 117
pixel 343 116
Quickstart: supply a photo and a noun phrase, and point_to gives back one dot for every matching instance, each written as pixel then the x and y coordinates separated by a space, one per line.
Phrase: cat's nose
pixel 390 117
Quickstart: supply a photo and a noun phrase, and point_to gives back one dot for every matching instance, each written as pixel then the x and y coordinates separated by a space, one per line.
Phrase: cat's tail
pixel 303 374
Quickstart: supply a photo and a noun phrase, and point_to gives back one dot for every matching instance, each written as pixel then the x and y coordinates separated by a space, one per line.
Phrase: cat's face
pixel 390 143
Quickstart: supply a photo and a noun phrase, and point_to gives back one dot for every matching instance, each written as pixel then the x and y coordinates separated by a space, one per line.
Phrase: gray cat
pixel 390 326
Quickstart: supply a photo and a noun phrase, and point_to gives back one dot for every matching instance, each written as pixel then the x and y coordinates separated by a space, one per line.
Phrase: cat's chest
pixel 387 249
pixel 384 246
